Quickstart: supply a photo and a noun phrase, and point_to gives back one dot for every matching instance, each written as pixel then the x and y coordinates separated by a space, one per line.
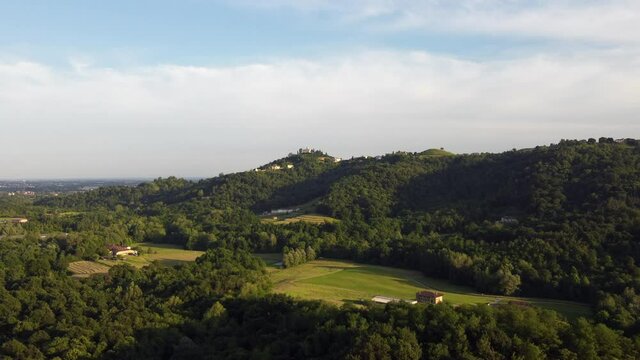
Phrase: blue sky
pixel 191 88
pixel 207 32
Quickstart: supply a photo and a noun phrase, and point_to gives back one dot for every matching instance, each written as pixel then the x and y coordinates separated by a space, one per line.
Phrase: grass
pixel 338 282
pixel 87 268
pixel 305 212
pixel 166 254
pixel 435 153
pixel 308 218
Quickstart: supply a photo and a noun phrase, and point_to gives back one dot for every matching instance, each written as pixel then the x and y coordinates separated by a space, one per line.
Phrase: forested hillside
pixel 560 221
pixel 219 307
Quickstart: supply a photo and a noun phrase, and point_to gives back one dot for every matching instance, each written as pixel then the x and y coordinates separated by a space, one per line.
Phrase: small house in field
pixel 429 297
pixel 119 250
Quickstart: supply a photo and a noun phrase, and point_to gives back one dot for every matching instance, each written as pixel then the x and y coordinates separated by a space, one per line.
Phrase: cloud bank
pixel 193 121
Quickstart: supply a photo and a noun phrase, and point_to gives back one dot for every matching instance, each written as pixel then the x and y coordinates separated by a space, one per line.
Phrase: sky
pixel 192 88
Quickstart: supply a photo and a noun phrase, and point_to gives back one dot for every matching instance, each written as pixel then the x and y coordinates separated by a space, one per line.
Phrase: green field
pixel 343 281
pixel 166 254
pixel 435 153
pixel 304 212
pixel 309 218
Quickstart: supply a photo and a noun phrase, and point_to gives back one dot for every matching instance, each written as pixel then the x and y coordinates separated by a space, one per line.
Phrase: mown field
pixel 167 254
pixel 340 282
pixel 87 268
pixel 309 218
pixel 164 253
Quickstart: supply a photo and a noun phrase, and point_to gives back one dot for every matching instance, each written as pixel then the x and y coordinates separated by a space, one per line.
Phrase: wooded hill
pixel 559 221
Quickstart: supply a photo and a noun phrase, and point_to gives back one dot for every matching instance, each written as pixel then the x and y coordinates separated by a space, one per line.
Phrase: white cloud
pixel 182 120
pixel 614 21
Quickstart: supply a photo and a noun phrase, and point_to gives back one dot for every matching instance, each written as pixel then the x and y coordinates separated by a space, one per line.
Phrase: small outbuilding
pixel 429 297
pixel 385 300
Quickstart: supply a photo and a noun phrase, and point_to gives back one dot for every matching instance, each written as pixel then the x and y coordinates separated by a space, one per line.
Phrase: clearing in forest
pixel 166 254
pixel 308 218
pixel 339 281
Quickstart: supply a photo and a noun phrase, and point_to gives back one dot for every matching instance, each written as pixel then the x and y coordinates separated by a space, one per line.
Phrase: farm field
pixel 87 268
pixel 309 218
pixel 164 253
pixel 338 282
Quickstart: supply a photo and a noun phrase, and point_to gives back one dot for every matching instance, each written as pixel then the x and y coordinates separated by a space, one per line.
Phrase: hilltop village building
pixel 306 151
pixel 280 211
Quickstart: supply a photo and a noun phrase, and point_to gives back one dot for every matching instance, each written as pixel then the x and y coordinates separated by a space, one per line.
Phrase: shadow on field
pixel 332 267
pixel 360 302
pixel 173 262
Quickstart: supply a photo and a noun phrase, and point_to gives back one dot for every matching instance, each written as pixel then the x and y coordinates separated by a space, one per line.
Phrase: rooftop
pixel 430 294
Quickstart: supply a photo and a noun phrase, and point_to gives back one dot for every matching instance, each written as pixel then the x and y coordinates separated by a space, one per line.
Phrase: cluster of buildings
pixel 280 211
pixel 25 193
pixel 120 250
pixel 275 167
pixel 314 151
pixel 278 167
pixel 427 297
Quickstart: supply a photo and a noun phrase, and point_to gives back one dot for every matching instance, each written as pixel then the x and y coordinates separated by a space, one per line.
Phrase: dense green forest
pixel 559 221
pixel 219 307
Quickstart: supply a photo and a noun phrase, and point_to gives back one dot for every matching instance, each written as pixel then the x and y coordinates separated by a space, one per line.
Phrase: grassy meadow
pixel 304 212
pixel 166 254
pixel 334 281
pixel 308 218
pixel 339 282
